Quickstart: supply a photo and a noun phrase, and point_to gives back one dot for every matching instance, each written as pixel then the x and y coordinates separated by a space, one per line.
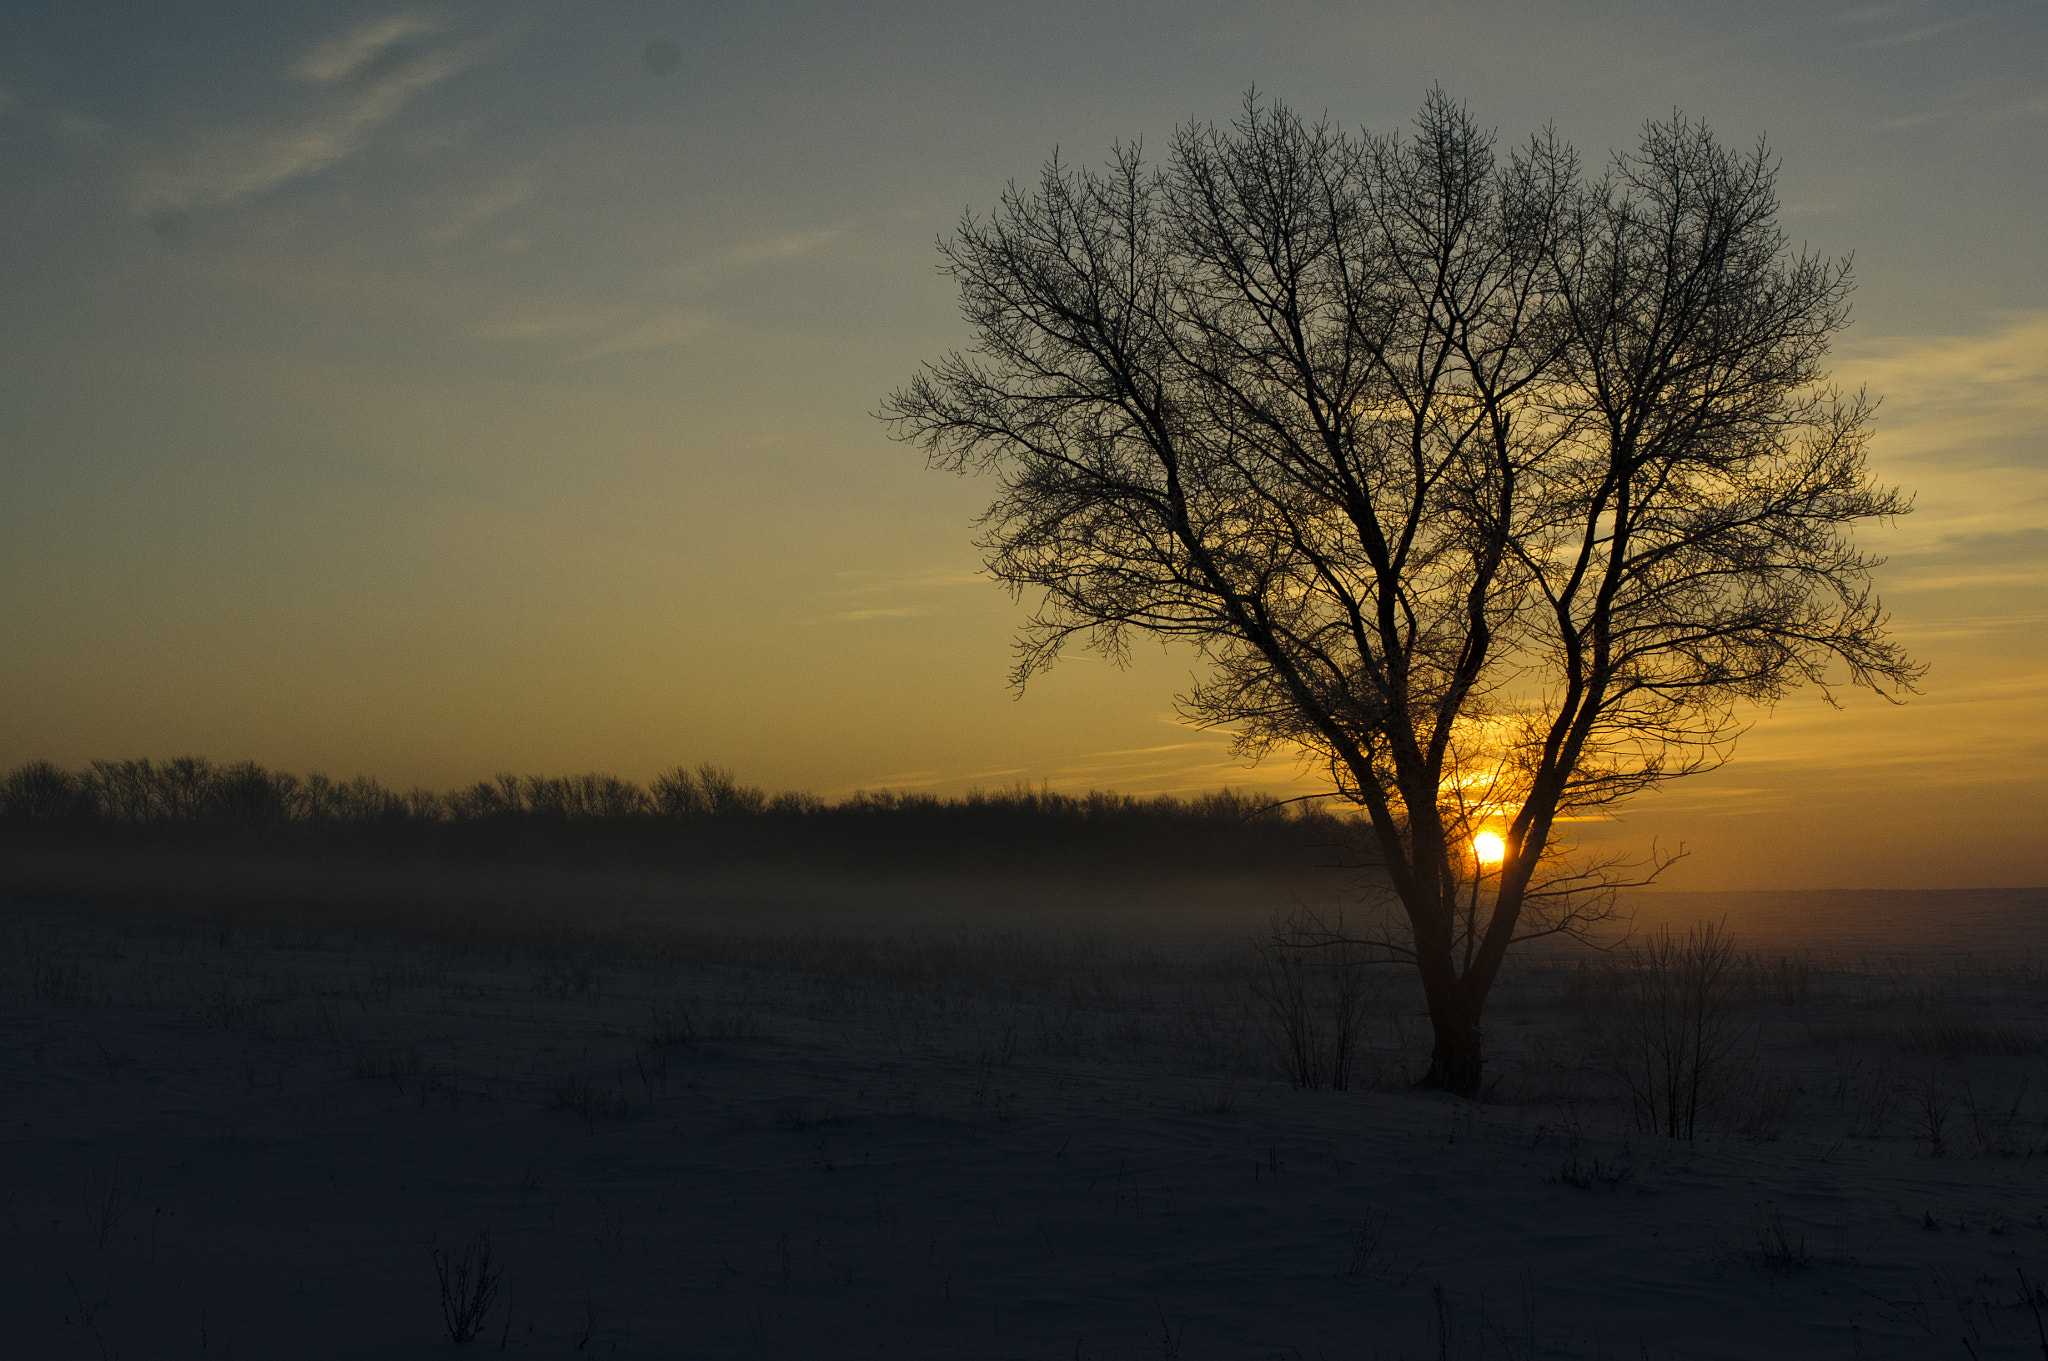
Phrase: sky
pixel 436 390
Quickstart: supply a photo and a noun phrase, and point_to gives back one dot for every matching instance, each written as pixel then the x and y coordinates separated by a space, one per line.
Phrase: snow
pixel 939 1132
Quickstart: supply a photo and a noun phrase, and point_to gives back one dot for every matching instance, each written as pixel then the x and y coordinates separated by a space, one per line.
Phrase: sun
pixel 1490 849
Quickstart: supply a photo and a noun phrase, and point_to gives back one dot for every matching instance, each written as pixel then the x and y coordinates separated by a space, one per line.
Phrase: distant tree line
pixel 693 816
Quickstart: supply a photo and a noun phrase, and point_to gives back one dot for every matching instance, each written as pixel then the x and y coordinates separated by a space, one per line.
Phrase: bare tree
pixel 1494 486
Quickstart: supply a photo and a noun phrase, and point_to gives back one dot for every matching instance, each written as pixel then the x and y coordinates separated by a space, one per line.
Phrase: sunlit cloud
pixel 2003 368
pixel 863 616
pixel 930 778
pixel 1967 729
pixel 1969 581
pixel 374 73
pixel 1960 627
pixel 865 586
pixel 872 583
pixel 1964 424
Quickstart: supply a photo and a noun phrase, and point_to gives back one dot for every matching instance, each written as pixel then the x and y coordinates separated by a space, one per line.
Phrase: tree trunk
pixel 1456 1058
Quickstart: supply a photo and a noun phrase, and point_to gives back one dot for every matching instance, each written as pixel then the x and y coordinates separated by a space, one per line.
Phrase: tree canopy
pixel 1495 485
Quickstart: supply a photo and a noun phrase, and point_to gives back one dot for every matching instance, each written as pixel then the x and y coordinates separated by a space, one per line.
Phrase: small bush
pixel 1314 997
pixel 1672 1033
pixel 469 1285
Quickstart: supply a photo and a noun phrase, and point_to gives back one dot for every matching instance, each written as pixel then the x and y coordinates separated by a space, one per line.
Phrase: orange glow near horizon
pixel 1490 849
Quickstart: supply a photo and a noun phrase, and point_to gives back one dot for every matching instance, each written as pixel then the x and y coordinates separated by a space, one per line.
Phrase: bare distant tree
pixel 1495 486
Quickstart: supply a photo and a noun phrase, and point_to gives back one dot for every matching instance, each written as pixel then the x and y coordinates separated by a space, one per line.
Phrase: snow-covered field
pixel 941 1131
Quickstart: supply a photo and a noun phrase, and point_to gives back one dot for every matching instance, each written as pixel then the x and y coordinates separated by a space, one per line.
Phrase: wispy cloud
pixel 344 54
pixel 863 616
pixel 788 246
pixel 1964 421
pixel 1970 581
pixel 1942 390
pixel 860 583
pixel 545 326
pixel 2030 106
pixel 1939 19
pixel 1968 736
pixel 1978 111
pixel 1948 627
pixel 1915 35
pixel 363 79
pixel 658 331
pixel 486 206
pixel 861 587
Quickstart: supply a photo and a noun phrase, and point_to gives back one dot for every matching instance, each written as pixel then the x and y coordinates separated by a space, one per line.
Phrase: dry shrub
pixel 1314 998
pixel 576 1093
pixel 468 1283
pixel 1672 1033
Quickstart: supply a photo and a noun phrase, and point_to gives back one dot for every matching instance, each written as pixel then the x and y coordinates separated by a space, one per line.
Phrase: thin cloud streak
pixel 1917 35
pixel 863 616
pixel 341 56
pixel 788 246
pixel 1964 425
pixel 488 206
pixel 661 331
pixel 235 165
pixel 893 585
pixel 937 576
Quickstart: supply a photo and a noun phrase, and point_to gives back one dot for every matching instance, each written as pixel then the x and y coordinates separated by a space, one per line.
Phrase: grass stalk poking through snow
pixel 1776 1247
pixel 469 1285
pixel 108 1200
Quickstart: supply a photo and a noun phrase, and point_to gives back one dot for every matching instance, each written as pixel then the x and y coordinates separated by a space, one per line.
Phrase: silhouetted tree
pixel 1495 486
pixel 40 791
